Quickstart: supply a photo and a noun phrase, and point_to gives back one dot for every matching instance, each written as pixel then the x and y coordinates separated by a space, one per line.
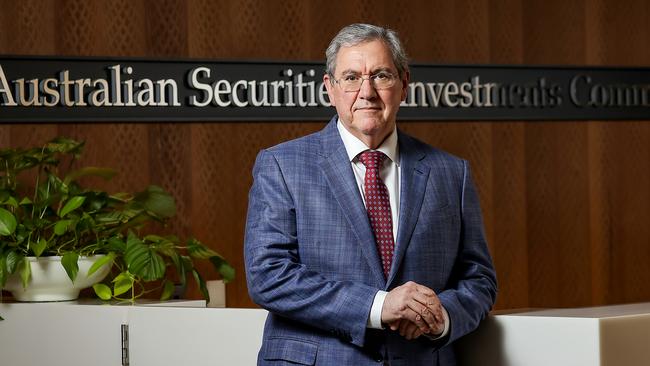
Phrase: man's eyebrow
pixel 373 72
pixel 349 71
pixel 383 69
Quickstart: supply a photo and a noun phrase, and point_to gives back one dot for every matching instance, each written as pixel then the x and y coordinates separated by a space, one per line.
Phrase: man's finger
pixel 432 301
pixel 425 315
pixel 412 332
pixel 425 290
pixel 413 317
pixel 408 330
pixel 403 327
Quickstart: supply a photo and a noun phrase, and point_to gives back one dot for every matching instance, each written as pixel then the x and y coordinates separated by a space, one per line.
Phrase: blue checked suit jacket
pixel 311 259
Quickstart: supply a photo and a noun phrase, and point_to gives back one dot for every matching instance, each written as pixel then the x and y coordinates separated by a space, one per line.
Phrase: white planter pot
pixel 50 282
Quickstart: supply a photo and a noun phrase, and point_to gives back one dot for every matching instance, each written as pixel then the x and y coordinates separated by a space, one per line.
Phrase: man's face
pixel 368 114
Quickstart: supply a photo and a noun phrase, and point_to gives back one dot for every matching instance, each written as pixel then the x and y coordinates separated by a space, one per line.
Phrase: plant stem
pixel 38 180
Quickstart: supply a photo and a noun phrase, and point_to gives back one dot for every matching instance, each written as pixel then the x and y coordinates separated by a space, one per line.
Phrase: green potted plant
pixel 47 214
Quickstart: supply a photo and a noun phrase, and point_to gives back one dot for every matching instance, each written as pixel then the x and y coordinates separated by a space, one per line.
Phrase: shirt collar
pixel 354 146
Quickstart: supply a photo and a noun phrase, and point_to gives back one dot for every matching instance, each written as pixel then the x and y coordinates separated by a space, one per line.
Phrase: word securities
pixel 300 89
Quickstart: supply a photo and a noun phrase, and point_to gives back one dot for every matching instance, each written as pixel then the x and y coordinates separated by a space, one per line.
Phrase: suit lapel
pixel 414 179
pixel 340 178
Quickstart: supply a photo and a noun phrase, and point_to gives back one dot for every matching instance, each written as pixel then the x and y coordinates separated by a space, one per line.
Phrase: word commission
pixel 301 89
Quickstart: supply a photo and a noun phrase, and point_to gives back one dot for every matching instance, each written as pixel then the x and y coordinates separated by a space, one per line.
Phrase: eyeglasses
pixel 379 81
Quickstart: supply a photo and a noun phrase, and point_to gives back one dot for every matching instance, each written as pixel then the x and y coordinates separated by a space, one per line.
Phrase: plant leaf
pixel 186 266
pixel 202 286
pixel 7 222
pixel 61 227
pixel 71 265
pixel 4 273
pixel 176 262
pixel 25 270
pixel 196 249
pixel 142 260
pixel 123 275
pixel 102 291
pixel 168 290
pixel 13 260
pixel 116 244
pixel 157 201
pixel 4 193
pixel 105 260
pixel 39 247
pixel 123 285
pixel 166 247
pixel 65 145
pixel 109 217
pixel 105 173
pixel 25 201
pixel 226 271
pixel 56 185
pixel 152 237
pixel 11 201
pixel 72 204
pixel 96 200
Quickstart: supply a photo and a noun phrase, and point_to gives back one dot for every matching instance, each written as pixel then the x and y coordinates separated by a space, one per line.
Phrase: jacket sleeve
pixel 472 289
pixel 276 278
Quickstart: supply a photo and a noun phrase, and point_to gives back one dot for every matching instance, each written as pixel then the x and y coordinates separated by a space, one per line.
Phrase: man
pixel 365 244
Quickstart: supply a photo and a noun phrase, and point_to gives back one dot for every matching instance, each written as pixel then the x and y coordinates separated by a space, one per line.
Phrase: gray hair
pixel 355 34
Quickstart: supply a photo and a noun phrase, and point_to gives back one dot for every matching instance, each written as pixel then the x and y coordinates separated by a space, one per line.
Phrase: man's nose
pixel 367 90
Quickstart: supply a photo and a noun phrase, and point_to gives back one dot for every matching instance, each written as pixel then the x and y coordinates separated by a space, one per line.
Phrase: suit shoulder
pixel 300 146
pixel 300 151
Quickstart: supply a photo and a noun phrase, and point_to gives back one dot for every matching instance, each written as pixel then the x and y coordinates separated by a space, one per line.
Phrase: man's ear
pixel 405 84
pixel 327 81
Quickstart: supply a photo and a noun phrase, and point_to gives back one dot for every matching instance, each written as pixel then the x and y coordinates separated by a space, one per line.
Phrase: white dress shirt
pixel 390 174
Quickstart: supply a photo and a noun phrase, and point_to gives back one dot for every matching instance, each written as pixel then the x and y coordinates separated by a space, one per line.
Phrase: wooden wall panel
pixel 566 204
pixel 509 164
pixel 630 211
pixel 555 156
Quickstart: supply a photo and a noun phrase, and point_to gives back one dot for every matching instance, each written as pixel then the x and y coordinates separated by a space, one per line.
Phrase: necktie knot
pixel 372 159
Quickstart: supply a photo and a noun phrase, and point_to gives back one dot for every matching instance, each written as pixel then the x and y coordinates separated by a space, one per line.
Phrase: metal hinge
pixel 125 345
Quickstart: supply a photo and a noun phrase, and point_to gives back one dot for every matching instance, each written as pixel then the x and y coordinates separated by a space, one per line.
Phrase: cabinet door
pixel 194 336
pixel 60 334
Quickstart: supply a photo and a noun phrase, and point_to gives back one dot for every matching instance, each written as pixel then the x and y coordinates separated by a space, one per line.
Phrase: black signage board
pixel 56 89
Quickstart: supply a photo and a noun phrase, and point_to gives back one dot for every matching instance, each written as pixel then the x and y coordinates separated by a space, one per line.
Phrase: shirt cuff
pixel 445 315
pixel 374 319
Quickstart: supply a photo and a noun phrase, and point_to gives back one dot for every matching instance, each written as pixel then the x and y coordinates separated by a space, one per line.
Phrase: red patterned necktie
pixel 378 206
